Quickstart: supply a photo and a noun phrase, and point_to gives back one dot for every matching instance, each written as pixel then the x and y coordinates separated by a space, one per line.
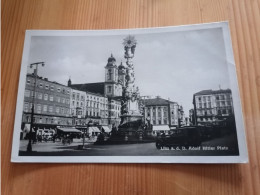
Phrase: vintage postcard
pixel 154 95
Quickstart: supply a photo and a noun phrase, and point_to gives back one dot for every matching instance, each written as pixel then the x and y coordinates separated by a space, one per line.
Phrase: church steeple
pixel 111 77
pixel 69 83
pixel 111 70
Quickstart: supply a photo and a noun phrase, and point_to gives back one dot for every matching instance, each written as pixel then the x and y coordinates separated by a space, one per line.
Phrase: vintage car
pixel 184 136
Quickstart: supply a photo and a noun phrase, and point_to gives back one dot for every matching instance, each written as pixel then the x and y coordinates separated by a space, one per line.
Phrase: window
pixel 46 86
pixel 40 85
pixel 27 93
pixel 40 96
pixel 57 110
pixel 39 108
pixel 81 103
pixel 67 101
pixel 73 103
pixel 50 108
pixel 45 108
pixel 73 96
pixel 77 104
pixel 51 98
pixel 32 93
pixel 26 107
pixel 28 81
pixel 58 99
pixel 68 91
pixel 52 88
pixel 109 74
pixel 109 89
pixel 45 96
pixel 63 100
pixel 58 89
pixel 62 110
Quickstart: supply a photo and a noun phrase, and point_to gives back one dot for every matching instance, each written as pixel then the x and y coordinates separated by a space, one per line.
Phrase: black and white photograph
pixel 154 95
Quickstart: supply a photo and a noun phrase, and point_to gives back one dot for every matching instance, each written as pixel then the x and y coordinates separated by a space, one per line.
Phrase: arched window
pixel 109 74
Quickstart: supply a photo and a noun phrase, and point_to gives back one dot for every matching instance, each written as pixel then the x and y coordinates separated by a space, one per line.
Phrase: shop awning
pixel 161 128
pixel 69 130
pixel 94 129
pixel 106 129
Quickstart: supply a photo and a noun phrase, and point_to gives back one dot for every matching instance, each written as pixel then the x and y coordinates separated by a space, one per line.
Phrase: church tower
pixel 69 82
pixel 111 78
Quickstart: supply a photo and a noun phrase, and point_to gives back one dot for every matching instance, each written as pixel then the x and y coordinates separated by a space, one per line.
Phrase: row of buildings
pixel 77 104
pixel 56 104
pixel 211 106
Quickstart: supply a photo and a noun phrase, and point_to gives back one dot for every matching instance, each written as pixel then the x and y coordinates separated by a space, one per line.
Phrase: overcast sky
pixel 172 65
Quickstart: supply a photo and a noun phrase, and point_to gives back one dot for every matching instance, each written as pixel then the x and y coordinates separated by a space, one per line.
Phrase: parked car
pixel 184 136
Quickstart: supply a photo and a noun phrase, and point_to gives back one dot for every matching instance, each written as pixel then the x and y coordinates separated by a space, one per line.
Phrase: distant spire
pixel 69 82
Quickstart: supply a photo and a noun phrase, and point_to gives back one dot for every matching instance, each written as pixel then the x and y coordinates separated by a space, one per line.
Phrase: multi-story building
pixel 212 105
pixel 181 119
pixel 158 111
pixel 51 102
pixel 191 117
pixel 78 106
pixel 97 108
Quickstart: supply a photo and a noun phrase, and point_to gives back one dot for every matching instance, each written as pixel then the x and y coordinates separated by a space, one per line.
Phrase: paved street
pixel 219 146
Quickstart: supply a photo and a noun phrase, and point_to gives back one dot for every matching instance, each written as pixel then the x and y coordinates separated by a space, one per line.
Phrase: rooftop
pixel 96 88
pixel 210 91
pixel 156 101
pixel 46 80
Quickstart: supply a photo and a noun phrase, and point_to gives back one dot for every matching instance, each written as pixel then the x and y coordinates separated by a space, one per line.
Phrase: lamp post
pixel 29 146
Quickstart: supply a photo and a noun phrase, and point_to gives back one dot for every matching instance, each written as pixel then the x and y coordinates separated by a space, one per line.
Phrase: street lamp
pixel 29 146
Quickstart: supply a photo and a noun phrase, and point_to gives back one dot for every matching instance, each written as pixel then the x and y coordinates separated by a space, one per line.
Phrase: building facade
pixel 181 116
pixel 158 111
pixel 51 102
pixel 97 108
pixel 78 107
pixel 212 105
pixel 191 117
